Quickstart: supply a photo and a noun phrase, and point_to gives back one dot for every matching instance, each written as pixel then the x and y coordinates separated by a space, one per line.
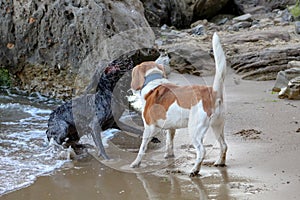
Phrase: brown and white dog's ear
pixel 138 78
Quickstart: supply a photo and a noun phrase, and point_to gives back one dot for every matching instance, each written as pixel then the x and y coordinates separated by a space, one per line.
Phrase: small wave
pixel 34 111
pixel 25 108
pixel 25 152
pixel 107 135
pixel 23 115
pixel 9 106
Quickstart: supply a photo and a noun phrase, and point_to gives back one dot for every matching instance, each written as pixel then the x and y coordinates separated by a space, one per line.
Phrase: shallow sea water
pixel 25 152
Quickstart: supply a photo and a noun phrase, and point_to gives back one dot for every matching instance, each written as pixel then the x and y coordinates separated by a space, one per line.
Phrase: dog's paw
pixel 220 165
pixel 167 156
pixel 194 173
pixel 134 165
pixel 103 155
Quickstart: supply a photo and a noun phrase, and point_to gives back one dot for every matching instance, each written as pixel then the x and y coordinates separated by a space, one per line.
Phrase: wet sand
pixel 262 163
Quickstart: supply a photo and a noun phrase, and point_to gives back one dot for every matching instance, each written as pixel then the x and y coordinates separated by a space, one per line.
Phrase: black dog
pixel 90 113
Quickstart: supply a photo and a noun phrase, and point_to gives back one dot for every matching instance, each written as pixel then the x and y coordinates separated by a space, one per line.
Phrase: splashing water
pixel 25 152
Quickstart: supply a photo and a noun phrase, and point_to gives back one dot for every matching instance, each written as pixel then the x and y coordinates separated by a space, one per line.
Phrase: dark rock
pixel 239 25
pixel 252 36
pixel 189 57
pixel 209 8
pixel 198 30
pixel 186 52
pixel 275 4
pixel 222 21
pixel 284 15
pixel 173 13
pixel 262 6
pixel 180 13
pixel 45 43
pixel 261 54
pixel 265 64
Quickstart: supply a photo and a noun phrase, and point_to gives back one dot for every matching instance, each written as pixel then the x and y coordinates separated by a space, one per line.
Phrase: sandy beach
pixel 263 137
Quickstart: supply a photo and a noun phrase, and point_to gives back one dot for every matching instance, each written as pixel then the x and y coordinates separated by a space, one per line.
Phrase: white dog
pixel 169 106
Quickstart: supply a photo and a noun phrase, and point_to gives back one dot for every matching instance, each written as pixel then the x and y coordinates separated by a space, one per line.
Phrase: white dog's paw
pixel 219 163
pixel 135 164
pixel 194 173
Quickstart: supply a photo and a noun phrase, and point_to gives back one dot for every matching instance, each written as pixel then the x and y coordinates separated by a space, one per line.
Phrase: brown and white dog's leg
pixel 169 143
pixel 218 129
pixel 147 135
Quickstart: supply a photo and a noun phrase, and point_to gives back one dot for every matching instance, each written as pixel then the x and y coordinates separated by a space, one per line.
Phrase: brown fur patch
pixel 139 71
pixel 161 98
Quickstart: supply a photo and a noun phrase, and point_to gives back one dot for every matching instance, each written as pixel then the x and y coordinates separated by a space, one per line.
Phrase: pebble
pixel 198 30
pixel 245 17
pixel 242 25
pixel 222 21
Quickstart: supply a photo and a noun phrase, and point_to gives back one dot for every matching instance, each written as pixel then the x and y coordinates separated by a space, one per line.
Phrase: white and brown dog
pixel 169 106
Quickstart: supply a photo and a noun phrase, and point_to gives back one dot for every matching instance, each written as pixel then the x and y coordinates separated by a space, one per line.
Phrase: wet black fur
pixel 90 113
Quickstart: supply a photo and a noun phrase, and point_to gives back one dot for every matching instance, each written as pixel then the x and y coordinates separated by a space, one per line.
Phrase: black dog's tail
pixel 125 127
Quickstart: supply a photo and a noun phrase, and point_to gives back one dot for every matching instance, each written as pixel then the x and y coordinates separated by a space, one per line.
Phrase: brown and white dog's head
pixel 140 71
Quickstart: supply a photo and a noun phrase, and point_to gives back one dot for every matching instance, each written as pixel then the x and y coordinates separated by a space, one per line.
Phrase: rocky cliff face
pixel 45 43
pixel 180 13
pixel 53 47
pixel 262 6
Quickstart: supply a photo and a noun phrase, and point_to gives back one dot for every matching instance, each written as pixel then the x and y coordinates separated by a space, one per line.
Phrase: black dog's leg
pixel 96 133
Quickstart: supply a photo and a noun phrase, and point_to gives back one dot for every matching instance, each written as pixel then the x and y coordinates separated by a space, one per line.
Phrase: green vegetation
pixel 295 10
pixel 4 77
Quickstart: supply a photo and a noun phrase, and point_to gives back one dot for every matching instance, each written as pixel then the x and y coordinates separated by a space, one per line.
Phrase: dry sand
pixel 262 161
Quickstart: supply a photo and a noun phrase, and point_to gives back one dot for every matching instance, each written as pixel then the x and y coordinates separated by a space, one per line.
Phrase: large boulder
pixel 180 13
pixel 261 54
pixel 208 8
pixel 188 52
pixel 288 82
pixel 190 58
pixel 293 89
pixel 46 43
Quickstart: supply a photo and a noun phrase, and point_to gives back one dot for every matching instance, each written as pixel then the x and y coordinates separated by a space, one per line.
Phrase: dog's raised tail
pixel 220 62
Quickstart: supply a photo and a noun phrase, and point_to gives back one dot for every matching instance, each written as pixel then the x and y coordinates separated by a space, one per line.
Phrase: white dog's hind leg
pixel 169 143
pixel 218 129
pixel 197 138
pixel 147 135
